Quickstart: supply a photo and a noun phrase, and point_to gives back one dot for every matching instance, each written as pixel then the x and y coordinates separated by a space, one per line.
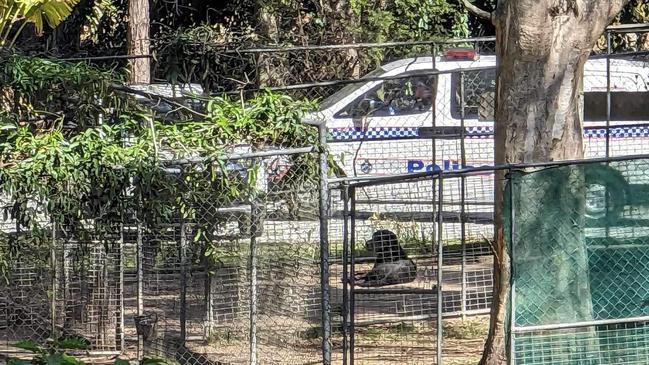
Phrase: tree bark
pixel 139 42
pixel 542 46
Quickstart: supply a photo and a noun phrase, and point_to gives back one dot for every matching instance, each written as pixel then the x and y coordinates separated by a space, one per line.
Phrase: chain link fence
pixel 253 247
pixel 238 280
pixel 439 228
pixel 230 273
pixel 578 268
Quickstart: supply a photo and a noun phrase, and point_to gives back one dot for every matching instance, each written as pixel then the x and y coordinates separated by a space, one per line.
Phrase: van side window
pixel 625 106
pixel 403 96
pixel 479 93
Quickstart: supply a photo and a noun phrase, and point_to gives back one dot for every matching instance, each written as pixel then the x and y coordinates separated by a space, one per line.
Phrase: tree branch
pixel 159 98
pixel 480 13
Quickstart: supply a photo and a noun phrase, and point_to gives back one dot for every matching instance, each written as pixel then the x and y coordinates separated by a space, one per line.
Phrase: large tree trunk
pixel 138 41
pixel 542 46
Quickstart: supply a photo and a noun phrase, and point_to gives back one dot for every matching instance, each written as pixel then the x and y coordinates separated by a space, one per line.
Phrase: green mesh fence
pixel 580 254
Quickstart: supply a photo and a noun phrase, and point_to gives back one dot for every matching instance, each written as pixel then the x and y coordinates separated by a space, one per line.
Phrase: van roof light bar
pixel 466 54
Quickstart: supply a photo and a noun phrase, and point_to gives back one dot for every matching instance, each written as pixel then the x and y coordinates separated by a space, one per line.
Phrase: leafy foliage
pixel 74 150
pixel 15 14
pixel 44 93
pixel 53 353
pixel 200 53
pixel 636 12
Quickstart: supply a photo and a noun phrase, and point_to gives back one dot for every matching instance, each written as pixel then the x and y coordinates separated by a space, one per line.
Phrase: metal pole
pixel 607 200
pixel 608 93
pixel 462 199
pixel 324 245
pixel 183 282
pixel 512 282
pixel 574 325
pixel 140 288
pixel 352 272
pixel 434 114
pixel 345 303
pixel 434 142
pixel 253 283
pixel 55 278
pixel 440 262
pixel 121 284
pixel 207 325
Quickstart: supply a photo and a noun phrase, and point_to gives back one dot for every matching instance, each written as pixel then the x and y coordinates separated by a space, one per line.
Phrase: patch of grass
pixel 397 329
pixel 469 329
pixel 315 333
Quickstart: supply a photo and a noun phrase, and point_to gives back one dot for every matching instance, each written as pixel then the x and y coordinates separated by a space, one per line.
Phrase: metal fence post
pixel 55 278
pixel 254 213
pixel 183 282
pixel 209 313
pixel 512 305
pixel 440 261
pixel 324 244
pixel 140 288
pixel 122 340
pixel 352 276
pixel 607 201
pixel 462 199
pixel 345 256
pixel 608 93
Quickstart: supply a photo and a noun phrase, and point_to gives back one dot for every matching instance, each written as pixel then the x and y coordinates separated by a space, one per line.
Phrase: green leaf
pixel 155 361
pixel 18 362
pixel 70 360
pixel 75 342
pixel 28 345
pixel 119 361
pixel 54 359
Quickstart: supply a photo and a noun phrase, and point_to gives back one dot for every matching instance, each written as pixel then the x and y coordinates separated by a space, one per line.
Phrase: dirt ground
pixel 374 345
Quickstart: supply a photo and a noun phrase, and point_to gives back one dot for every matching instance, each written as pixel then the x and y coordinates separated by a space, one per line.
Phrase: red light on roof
pixel 461 54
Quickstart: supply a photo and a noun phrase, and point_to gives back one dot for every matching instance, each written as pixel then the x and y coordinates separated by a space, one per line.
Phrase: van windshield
pixel 349 89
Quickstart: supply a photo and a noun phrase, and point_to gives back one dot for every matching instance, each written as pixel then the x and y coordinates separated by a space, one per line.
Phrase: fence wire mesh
pixel 247 268
pixel 439 227
pixel 578 244
pixel 231 274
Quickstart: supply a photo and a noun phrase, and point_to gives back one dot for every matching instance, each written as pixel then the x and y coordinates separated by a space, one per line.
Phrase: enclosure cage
pixel 575 232
pixel 440 226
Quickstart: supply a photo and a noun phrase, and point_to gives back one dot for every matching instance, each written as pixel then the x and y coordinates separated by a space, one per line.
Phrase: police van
pixel 425 114
pixel 387 124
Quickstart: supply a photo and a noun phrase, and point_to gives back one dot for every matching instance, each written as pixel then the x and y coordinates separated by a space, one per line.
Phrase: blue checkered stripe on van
pixel 615 132
pixel 353 134
pixel 479 132
pixel 618 132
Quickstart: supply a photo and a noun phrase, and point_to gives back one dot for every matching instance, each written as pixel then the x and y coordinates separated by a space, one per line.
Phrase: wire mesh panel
pixel 25 305
pixel 623 343
pixel 578 255
pixel 89 284
pixel 414 242
pixel 241 267
pixel 393 274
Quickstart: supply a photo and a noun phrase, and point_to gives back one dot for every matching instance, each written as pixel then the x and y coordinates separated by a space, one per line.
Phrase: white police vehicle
pixel 408 116
pixel 387 125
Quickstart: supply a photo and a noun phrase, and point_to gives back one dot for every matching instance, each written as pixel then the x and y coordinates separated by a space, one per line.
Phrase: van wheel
pixel 606 193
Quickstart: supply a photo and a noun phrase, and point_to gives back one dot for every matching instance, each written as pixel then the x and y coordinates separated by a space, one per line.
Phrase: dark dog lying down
pixel 392 265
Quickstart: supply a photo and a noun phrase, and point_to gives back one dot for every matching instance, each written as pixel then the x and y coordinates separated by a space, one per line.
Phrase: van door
pixel 383 124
